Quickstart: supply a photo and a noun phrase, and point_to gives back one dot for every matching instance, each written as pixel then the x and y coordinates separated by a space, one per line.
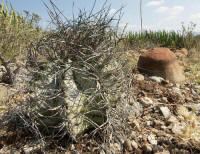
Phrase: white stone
pixel 177 128
pixel 164 99
pixel 156 79
pixel 177 91
pixel 146 101
pixel 148 123
pixel 139 77
pixel 163 152
pixel 166 112
pixel 152 140
pixel 134 144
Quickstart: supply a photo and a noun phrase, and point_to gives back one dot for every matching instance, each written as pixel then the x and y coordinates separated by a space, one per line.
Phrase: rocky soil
pixel 165 118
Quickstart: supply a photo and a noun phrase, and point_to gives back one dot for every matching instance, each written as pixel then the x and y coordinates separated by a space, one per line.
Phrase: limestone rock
pixel 134 145
pixel 161 62
pixel 152 140
pixel 177 91
pixel 146 101
pixel 139 77
pixel 156 79
pixel 166 112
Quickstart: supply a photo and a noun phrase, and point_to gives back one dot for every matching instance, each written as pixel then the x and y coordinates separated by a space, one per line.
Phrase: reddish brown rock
pixel 161 62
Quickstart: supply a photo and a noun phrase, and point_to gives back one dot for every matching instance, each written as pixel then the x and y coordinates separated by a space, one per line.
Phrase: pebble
pixel 197 87
pixel 195 107
pixel 177 91
pixel 156 79
pixel 117 145
pixel 164 99
pixel 166 112
pixel 172 119
pixel 163 127
pixel 134 145
pixel 2 69
pixel 102 152
pixel 177 128
pixel 32 149
pixel 146 101
pixel 139 77
pixel 149 123
pixel 194 93
pixel 152 140
pixel 158 123
pixel 72 147
pixel 163 152
pixel 133 134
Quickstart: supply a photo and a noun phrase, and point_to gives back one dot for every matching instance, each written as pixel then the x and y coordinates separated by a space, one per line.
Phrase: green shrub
pixel 170 39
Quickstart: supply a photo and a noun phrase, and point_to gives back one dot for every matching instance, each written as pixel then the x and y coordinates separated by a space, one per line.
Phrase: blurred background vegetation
pixel 171 39
pixel 17 32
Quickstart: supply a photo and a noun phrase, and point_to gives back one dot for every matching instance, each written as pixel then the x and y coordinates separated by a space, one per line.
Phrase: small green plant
pixel 16 35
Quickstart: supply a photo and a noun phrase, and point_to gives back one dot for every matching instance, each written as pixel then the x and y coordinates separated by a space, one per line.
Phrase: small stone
pixel 177 91
pixel 102 152
pixel 164 99
pixel 2 69
pixel 133 134
pixel 118 147
pixel 134 145
pixel 172 119
pixel 163 127
pixel 177 85
pixel 128 145
pixel 197 87
pixel 147 148
pixel 166 112
pixel 194 93
pixel 149 123
pixel 152 140
pixel 72 147
pixel 195 107
pixel 139 77
pixel 177 128
pixel 158 122
pixel 163 152
pixel 32 149
pixel 156 79
pixel 146 101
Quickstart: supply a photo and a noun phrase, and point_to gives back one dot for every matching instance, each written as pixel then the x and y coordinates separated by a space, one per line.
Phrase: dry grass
pixel 192 66
pixel 190 127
